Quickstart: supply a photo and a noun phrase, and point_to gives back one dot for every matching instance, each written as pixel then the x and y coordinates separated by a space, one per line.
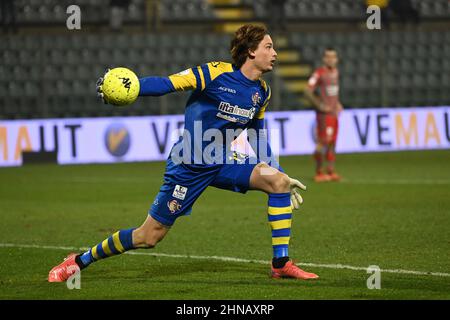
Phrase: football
pixel 120 86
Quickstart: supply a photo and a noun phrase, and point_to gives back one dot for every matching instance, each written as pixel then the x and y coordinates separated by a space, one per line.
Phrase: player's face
pixel 265 55
pixel 330 58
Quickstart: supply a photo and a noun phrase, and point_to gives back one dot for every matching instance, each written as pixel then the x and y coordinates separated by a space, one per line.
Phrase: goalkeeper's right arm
pixel 158 86
pixel 155 86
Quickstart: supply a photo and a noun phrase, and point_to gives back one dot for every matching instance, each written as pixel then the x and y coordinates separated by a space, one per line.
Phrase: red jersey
pixel 327 80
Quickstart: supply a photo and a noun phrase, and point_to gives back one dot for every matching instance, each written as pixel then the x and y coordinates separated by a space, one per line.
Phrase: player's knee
pixel 319 147
pixel 280 183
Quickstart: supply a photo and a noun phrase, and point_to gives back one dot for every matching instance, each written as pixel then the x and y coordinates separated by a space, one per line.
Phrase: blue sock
pixel 116 244
pixel 280 217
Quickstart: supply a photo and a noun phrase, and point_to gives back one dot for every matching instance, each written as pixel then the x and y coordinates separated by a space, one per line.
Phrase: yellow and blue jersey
pixel 222 98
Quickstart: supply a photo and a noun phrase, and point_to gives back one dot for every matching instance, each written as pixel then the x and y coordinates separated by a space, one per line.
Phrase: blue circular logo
pixel 117 139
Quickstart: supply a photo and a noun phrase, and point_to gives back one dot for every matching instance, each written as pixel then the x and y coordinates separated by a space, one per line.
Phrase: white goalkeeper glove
pixel 99 85
pixel 296 198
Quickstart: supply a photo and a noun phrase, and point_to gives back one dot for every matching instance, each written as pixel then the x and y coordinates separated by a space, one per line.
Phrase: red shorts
pixel 327 128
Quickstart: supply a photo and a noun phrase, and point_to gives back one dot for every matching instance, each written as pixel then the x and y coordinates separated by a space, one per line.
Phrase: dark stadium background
pixel 391 209
pixel 47 70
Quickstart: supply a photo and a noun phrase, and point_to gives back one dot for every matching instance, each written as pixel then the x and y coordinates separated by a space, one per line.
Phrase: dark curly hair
pixel 246 38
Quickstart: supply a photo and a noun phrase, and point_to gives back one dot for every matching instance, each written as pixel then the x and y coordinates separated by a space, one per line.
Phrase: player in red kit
pixel 325 79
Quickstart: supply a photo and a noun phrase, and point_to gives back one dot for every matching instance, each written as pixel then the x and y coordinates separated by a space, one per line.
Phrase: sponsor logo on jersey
pixel 235 110
pixel 173 206
pixel 227 90
pixel 332 90
pixel 179 192
pixel 228 118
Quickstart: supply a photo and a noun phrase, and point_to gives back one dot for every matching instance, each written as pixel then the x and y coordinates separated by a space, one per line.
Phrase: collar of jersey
pixel 243 78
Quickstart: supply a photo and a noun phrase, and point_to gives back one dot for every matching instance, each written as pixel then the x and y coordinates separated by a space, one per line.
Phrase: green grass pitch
pixel 392 210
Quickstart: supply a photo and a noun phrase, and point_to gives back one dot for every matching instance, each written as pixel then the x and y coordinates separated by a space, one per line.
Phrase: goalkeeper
pixel 224 96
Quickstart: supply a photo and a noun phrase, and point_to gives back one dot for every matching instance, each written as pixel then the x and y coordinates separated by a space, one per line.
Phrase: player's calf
pixel 319 157
pixel 331 158
pixel 149 234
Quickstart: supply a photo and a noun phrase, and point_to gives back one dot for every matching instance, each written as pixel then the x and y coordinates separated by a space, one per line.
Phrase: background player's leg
pixel 319 153
pixel 331 158
pixel 331 150
pixel 146 236
pixel 318 157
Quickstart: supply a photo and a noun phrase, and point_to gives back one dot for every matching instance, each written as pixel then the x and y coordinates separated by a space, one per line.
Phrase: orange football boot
pixel 63 271
pixel 334 176
pixel 290 270
pixel 321 177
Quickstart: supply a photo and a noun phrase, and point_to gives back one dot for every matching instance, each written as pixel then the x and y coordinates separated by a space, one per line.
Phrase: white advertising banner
pixel 150 138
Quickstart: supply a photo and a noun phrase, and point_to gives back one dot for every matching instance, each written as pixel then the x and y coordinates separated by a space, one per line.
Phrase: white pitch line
pixel 398 181
pixel 232 259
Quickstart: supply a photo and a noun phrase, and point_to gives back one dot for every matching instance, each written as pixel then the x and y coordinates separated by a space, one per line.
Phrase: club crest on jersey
pixel 179 192
pixel 173 206
pixel 256 98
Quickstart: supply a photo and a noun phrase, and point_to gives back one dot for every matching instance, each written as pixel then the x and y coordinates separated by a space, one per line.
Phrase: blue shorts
pixel 183 184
